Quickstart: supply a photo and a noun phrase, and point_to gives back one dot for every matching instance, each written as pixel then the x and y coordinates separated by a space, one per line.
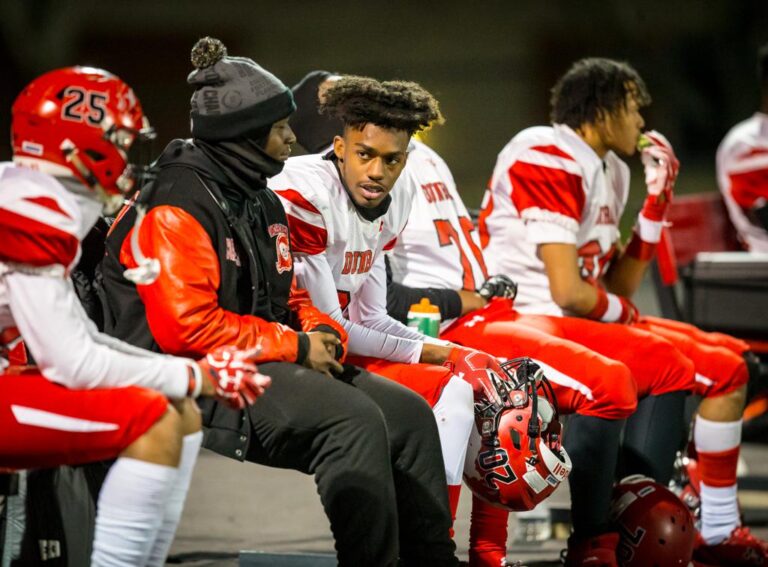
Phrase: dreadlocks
pixel 595 86
pixel 400 105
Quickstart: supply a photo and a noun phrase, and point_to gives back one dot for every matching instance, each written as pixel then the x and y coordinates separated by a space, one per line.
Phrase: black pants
pixel 373 448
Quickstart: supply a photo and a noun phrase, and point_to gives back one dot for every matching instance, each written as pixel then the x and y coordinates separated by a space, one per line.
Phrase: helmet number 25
pixel 81 105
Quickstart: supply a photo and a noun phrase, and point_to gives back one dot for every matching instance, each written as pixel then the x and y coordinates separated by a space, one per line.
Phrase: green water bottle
pixel 425 317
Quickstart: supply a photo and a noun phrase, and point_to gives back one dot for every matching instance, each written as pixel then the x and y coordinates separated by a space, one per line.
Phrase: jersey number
pixel 93 111
pixel 447 235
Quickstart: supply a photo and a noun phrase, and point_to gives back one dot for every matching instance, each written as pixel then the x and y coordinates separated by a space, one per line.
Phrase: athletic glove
pixel 236 380
pixel 498 286
pixel 612 308
pixel 472 366
pixel 661 168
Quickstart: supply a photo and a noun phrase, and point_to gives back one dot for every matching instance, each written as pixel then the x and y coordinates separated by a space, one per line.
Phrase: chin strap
pixel 110 202
pixel 148 269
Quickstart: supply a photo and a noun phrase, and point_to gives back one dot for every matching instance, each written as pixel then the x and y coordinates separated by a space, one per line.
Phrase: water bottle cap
pixel 424 306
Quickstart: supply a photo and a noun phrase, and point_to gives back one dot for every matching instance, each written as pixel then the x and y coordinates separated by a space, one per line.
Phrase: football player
pixel 89 397
pixel 344 210
pixel 742 169
pixel 438 256
pixel 550 221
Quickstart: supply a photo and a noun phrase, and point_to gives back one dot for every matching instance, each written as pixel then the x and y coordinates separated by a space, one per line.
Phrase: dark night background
pixel 491 64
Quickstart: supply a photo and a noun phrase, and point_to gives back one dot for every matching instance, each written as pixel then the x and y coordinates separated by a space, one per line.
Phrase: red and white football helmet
pixel 514 457
pixel 655 526
pixel 87 122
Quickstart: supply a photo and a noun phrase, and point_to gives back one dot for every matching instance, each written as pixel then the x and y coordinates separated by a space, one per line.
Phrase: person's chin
pixel 365 203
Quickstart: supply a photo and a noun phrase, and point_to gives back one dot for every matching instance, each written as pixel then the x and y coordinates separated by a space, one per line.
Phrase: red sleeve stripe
pixel 546 188
pixel 553 151
pixel 482 220
pixel 748 187
pixel 43 210
pixel 550 156
pixel 26 241
pixel 748 163
pixel 48 203
pixel 297 199
pixel 751 153
pixel 306 238
pixel 390 245
pixel 308 215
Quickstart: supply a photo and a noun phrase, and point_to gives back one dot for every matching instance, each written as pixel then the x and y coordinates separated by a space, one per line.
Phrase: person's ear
pixel 338 148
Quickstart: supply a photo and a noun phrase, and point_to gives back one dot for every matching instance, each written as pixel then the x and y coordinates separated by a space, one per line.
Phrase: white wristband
pixel 649 231
pixel 198 375
pixel 614 310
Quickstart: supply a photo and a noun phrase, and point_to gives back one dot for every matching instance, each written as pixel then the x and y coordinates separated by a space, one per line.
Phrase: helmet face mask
pixel 514 457
pixel 84 122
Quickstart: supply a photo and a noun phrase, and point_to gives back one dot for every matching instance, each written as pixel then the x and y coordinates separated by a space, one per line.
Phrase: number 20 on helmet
pixel 515 458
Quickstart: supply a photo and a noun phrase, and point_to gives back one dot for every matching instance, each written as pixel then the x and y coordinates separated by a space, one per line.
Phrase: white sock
pixel 720 514
pixel 175 505
pixel 130 511
pixel 455 415
pixel 719 505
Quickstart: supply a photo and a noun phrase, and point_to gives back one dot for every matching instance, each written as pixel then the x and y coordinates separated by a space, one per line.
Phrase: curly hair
pixel 401 105
pixel 594 87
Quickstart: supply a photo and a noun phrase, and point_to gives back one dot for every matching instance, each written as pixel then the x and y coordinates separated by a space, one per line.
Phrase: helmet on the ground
pixel 83 121
pixel 656 527
pixel 515 458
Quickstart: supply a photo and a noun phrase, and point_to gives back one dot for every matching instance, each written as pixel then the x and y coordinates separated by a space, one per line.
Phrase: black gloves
pixel 498 286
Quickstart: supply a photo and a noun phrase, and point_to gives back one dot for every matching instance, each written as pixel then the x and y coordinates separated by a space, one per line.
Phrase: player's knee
pixel 621 394
pixel 456 404
pixel 676 371
pixel 735 397
pixel 162 442
pixel 191 419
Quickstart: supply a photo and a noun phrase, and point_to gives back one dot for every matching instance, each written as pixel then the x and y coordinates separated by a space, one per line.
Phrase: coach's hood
pixel 236 165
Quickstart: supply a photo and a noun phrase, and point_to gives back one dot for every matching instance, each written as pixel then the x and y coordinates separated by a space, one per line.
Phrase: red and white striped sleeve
pixel 36 228
pixel 305 222
pixel 747 172
pixel 547 191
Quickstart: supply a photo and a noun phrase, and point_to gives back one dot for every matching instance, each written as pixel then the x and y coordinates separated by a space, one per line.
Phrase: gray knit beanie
pixel 234 97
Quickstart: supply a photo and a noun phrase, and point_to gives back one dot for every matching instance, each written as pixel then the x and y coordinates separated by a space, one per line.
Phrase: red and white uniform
pixel 339 256
pixel 550 186
pixel 439 248
pixel 81 402
pixel 742 174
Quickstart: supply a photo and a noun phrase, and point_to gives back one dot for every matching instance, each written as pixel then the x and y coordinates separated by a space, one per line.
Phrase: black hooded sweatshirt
pixel 223 187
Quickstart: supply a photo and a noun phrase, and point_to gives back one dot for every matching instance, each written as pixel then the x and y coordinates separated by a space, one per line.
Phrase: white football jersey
pixel 742 174
pixel 42 224
pixel 324 219
pixel 339 255
pixel 439 247
pixel 549 186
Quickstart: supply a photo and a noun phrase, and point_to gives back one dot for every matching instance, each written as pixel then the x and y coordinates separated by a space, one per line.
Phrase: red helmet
pixel 514 456
pixel 655 526
pixel 84 121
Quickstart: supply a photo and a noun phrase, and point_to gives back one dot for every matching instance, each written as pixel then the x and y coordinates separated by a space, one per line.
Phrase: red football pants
pixel 43 424
pixel 663 356
pixel 427 380
pixel 584 381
